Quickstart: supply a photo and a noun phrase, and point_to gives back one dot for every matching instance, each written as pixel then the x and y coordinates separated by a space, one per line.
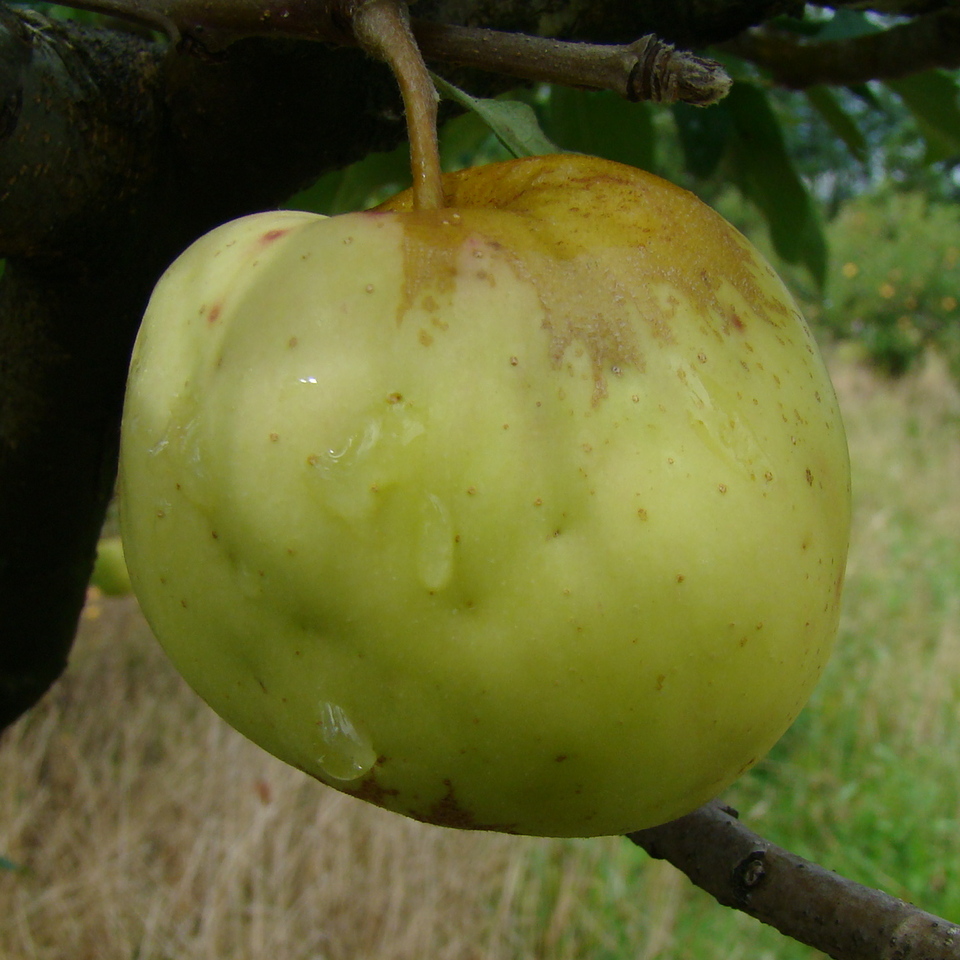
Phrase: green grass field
pixel 135 826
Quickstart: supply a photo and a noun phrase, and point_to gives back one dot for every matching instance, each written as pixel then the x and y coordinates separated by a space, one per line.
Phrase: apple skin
pixel 528 515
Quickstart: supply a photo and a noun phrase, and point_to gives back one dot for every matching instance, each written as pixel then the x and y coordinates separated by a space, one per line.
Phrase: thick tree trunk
pixel 117 156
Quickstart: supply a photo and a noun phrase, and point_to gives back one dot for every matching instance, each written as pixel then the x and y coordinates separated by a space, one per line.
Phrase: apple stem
pixel 382 28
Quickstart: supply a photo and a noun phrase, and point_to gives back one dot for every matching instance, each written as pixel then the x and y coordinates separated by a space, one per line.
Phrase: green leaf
pixel 515 123
pixel 803 28
pixel 600 123
pixel 827 104
pixel 737 69
pixel 361 185
pixel 847 24
pixel 764 172
pixel 863 92
pixel 466 141
pixel 932 97
pixel 703 135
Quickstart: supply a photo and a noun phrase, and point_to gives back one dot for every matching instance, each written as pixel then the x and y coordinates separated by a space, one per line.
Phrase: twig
pixel 647 69
pixel 844 919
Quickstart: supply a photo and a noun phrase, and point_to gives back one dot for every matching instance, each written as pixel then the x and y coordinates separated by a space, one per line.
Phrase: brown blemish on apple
pixel 371 790
pixel 735 322
pixel 743 769
pixel 649 231
pixel 429 259
pixel 447 812
pixel 272 235
pixel 214 313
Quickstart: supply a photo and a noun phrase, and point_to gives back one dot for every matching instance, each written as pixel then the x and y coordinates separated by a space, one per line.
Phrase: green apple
pixel 110 571
pixel 529 514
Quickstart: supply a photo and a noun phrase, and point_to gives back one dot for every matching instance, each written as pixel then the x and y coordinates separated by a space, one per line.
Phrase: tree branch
pixel 802 900
pixel 647 69
pixel 926 42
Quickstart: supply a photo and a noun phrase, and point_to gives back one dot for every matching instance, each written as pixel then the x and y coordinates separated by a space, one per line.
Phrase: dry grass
pixel 150 831
pixel 904 568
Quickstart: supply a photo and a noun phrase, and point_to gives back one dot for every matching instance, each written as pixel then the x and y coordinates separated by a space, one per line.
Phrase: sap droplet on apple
pixel 345 752
pixel 352 450
pixel 349 473
pixel 435 544
pixel 184 441
pixel 715 418
pixel 339 467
